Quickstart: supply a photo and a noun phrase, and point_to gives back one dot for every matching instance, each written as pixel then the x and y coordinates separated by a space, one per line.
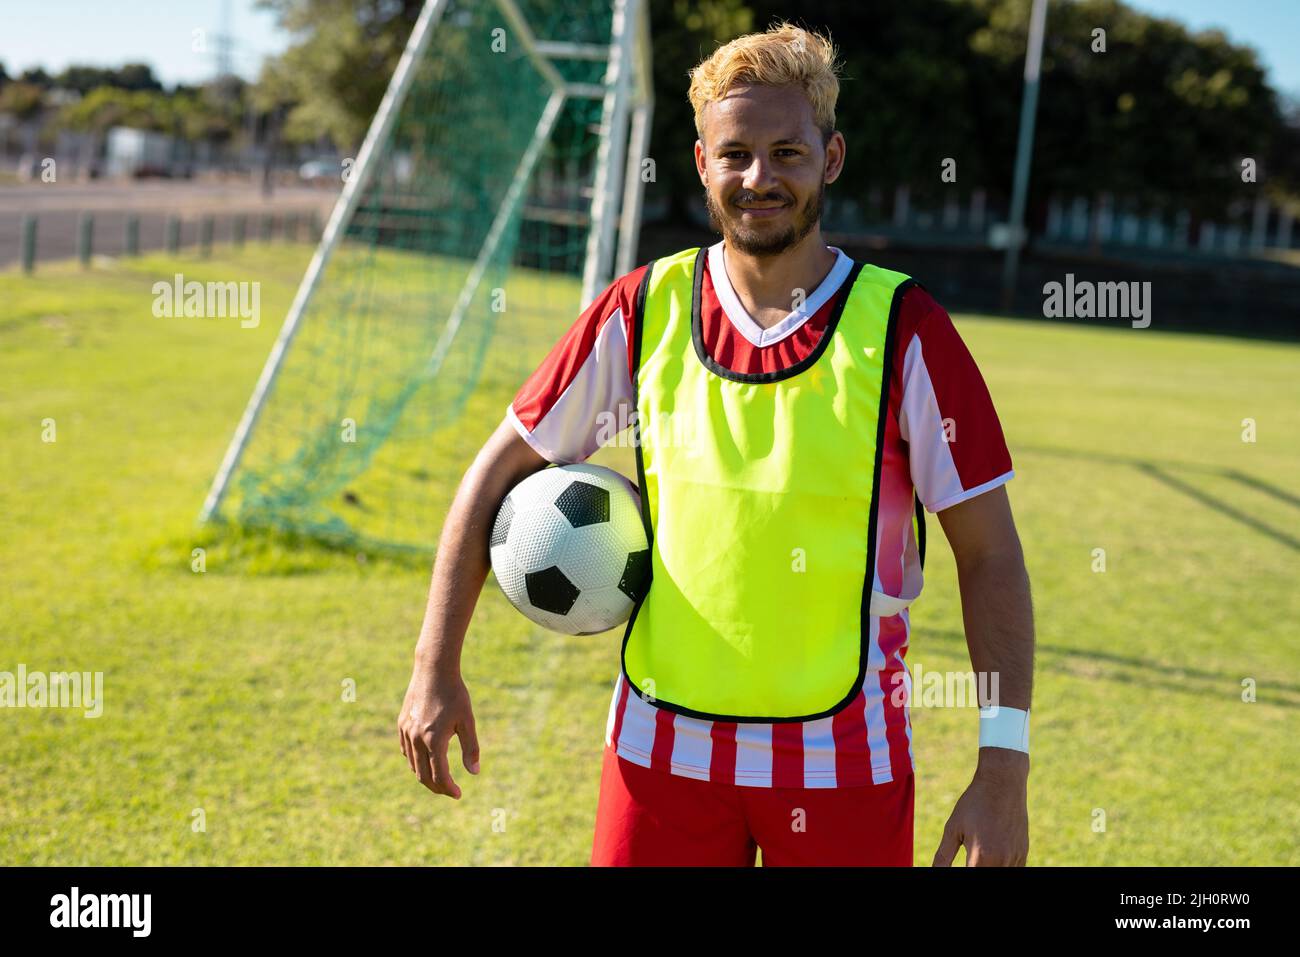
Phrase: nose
pixel 758 176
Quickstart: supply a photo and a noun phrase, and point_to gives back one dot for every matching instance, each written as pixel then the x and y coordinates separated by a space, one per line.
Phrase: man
pixel 790 404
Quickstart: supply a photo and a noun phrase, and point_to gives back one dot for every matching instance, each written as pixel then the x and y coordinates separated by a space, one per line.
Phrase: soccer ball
pixel 569 549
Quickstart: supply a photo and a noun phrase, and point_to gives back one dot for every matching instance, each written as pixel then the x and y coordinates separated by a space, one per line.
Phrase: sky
pixel 54 33
pixel 1272 27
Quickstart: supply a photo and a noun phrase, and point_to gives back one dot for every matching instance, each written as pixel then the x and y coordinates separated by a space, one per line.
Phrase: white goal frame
pixel 627 97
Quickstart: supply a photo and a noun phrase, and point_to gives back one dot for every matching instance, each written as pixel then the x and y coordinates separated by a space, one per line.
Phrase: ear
pixel 835 149
pixel 701 166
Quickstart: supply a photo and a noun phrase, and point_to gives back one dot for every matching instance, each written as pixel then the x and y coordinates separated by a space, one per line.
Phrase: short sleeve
pixel 956 448
pixel 580 396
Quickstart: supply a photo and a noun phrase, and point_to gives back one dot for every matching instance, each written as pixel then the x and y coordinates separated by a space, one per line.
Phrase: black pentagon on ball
pixel 636 575
pixel 502 527
pixel 584 504
pixel 550 591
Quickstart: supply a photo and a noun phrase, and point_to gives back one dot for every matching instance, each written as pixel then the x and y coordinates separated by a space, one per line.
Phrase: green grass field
pixel 224 690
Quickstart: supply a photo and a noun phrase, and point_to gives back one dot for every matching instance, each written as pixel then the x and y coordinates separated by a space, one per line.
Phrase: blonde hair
pixel 784 55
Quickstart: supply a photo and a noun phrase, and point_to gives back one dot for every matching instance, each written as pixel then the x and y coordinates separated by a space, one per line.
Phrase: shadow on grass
pixel 227 549
pixel 1127 669
pixel 1161 472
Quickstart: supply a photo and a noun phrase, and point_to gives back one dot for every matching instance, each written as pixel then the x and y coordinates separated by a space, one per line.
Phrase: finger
pixel 412 754
pixel 420 761
pixel 468 736
pixel 401 738
pixel 442 782
pixel 943 857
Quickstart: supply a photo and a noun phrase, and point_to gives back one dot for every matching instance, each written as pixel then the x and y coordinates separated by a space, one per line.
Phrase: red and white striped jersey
pixel 942 439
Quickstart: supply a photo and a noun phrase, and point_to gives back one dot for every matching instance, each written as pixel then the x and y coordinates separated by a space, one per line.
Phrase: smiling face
pixel 765 165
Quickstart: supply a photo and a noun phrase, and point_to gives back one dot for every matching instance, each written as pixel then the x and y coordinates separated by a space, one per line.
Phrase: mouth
pixel 763 212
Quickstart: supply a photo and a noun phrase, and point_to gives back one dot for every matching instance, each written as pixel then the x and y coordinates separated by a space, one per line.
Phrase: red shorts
pixel 648 817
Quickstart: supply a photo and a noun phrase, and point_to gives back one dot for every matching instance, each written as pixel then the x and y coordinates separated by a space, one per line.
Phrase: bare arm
pixel 462 562
pixel 995 603
pixel 437 705
pixel 991 819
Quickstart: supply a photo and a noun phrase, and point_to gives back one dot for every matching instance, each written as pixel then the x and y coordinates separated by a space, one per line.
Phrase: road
pixel 58 207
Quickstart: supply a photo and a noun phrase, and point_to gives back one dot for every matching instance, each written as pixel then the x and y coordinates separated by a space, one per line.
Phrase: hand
pixel 991 818
pixel 436 709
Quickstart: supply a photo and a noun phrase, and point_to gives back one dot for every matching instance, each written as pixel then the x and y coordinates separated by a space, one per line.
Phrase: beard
pixel 761 242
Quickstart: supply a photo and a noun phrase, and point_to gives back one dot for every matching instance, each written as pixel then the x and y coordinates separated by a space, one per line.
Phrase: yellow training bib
pixel 759 497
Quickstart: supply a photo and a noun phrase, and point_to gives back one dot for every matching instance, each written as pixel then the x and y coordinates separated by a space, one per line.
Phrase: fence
pixel 119 233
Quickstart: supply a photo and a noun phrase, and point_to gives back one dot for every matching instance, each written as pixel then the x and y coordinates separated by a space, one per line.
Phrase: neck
pixel 767 285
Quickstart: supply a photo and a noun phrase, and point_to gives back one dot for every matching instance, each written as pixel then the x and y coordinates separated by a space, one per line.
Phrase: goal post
pixel 494 195
pixel 338 221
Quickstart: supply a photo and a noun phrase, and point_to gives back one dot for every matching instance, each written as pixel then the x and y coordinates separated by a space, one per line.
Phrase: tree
pixel 23 100
pixel 913 93
pixel 107 106
pixel 1163 114
pixel 136 76
pixel 132 76
pixel 336 74
pixel 37 77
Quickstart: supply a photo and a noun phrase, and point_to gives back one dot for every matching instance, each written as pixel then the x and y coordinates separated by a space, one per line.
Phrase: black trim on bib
pixel 697 331
pixel 869 578
pixel 638 325
pixel 869 575
pixel 638 319
pixel 920 528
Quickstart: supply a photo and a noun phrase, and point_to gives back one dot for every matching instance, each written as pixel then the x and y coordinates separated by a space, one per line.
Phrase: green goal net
pixel 446 272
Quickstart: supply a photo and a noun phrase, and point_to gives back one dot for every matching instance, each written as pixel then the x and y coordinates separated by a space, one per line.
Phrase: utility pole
pixel 1024 152
pixel 224 43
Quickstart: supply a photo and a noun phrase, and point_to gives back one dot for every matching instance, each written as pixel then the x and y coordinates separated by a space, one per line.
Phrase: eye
pixel 788 152
pixel 734 154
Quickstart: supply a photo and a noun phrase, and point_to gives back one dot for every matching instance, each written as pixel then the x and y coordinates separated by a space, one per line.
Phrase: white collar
pixel 745 324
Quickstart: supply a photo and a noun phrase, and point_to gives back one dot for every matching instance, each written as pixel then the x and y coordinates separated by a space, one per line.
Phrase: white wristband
pixel 1004 728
